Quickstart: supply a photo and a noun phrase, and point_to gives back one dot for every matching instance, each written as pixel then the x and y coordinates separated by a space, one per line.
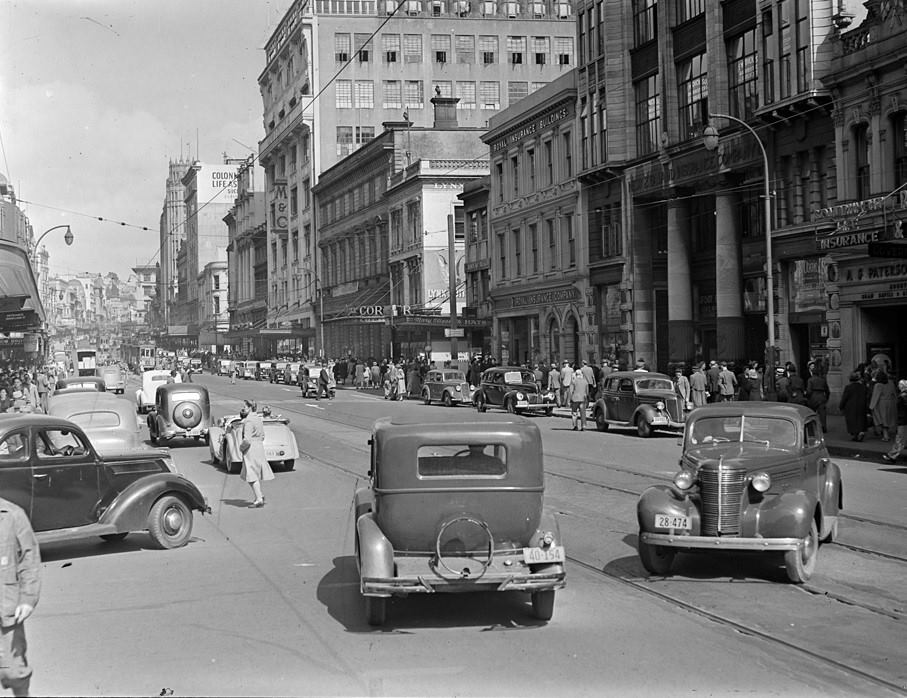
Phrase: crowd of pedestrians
pixel 24 389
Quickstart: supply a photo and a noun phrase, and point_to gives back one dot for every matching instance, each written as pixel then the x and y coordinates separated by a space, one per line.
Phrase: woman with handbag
pixel 255 466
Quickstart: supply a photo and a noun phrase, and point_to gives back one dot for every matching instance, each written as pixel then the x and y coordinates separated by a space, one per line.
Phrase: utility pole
pixel 452 277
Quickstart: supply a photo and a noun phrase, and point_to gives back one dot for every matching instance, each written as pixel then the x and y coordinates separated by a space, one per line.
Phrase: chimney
pixel 445 110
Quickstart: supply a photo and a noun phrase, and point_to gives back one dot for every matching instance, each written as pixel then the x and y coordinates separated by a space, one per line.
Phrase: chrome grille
pixel 674 408
pixel 721 490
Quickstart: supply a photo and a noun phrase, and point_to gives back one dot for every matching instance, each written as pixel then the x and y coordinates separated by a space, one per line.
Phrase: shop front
pixel 543 325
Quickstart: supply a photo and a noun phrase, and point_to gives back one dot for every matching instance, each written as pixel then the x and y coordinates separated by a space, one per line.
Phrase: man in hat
pixel 713 375
pixel 566 380
pixel 727 383
pixel 554 383
pixel 641 365
pixel 782 385
pixel 699 386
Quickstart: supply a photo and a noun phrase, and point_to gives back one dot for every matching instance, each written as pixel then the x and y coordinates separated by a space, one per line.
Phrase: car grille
pixel 675 409
pixel 721 490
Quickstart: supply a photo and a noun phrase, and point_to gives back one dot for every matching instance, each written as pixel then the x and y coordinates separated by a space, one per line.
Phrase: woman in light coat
pixel 255 466
pixel 884 406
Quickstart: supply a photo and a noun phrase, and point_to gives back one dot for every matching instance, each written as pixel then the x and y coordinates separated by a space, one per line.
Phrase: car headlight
pixel 457 388
pixel 520 396
pixel 761 482
pixel 659 405
pixel 683 480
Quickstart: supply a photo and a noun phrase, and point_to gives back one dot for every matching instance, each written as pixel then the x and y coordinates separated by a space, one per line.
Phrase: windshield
pixel 454 376
pixel 517 377
pixel 769 431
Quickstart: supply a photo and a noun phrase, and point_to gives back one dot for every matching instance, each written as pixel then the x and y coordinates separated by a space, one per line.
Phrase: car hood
pixel 749 456
pixel 525 387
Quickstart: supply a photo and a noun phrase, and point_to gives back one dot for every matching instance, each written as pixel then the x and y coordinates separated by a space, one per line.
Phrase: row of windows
pixel 461 48
pixel 538 249
pixel 536 166
pixel 441 8
pixel 410 94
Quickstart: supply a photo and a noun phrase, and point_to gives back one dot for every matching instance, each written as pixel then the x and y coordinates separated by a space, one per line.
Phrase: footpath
pixel 837 439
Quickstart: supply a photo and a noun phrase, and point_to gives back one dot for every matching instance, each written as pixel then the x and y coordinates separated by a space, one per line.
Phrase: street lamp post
pixel 320 295
pixel 710 140
pixel 68 237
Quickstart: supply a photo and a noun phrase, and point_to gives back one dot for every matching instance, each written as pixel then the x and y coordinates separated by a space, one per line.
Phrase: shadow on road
pixel 484 611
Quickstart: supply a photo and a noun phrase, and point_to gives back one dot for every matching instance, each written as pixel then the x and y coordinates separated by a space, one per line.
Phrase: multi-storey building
pixel 209 191
pixel 863 232
pixel 537 262
pixel 213 318
pixel 477 267
pixel 676 233
pixel 247 263
pixel 172 233
pixel 385 237
pixel 392 57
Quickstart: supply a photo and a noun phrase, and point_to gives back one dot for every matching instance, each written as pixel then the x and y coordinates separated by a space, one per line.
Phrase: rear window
pixel 463 460
pixel 453 376
pixel 186 396
pixel 95 420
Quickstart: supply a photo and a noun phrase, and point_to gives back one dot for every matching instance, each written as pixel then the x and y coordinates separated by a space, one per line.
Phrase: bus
pixel 84 361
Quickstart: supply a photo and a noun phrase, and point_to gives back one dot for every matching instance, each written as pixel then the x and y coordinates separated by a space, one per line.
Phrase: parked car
pixel 514 389
pixel 280 443
pixel 181 411
pixel 195 366
pixel 50 468
pixel 151 381
pixel 108 421
pixel 114 378
pixel 754 477
pixel 449 387
pixel 249 370
pixel 643 400
pixel 277 371
pixel 291 373
pixel 456 507
pixel 224 367
pixel 80 384
pixel 264 370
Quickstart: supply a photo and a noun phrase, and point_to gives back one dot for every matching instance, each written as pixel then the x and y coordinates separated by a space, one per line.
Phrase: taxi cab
pixel 456 506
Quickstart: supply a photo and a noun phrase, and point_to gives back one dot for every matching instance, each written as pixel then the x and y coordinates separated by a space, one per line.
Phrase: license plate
pixel 522 403
pixel 670 521
pixel 533 556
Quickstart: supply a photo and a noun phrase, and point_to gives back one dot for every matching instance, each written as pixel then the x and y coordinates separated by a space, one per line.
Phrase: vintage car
pixel 280 442
pixel 181 411
pixel 514 389
pixel 755 476
pixel 114 378
pixel 277 371
pixel 108 421
pixel 195 366
pixel 151 381
pixel 308 380
pixel 291 373
pixel 49 467
pixel 447 386
pixel 249 370
pixel 456 507
pixel 224 367
pixel 643 400
pixel 80 384
pixel 264 370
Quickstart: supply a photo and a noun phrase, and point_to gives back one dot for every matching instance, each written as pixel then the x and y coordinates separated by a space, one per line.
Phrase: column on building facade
pixel 641 298
pixel 680 292
pixel 729 323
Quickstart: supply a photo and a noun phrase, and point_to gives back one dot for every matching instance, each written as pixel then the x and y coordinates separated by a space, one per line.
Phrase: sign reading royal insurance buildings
pixel 534 127
pixel 555 296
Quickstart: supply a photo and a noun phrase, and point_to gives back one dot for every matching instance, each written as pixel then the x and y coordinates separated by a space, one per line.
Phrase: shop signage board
pixel 897 250
pixel 454 332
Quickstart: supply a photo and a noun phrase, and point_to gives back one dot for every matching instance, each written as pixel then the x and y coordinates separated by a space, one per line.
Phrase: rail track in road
pixel 629 578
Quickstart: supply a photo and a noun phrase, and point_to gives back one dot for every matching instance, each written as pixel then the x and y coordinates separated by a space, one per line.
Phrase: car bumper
pixel 417 575
pixel 183 433
pixel 673 540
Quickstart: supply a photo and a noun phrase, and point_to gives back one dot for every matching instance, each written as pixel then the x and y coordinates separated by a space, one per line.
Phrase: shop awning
pixel 20 302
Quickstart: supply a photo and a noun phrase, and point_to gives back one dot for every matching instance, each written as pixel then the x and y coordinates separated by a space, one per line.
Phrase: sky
pixel 96 98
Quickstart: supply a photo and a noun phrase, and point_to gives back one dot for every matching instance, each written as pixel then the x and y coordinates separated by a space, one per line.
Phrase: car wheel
pixel 376 610
pixel 214 459
pixel 289 464
pixel 600 422
pixel 643 428
pixel 152 435
pixel 232 467
pixel 543 604
pixel 801 563
pixel 426 397
pixel 446 400
pixel 549 411
pixel 480 404
pixel 114 537
pixel 657 559
pixel 170 522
